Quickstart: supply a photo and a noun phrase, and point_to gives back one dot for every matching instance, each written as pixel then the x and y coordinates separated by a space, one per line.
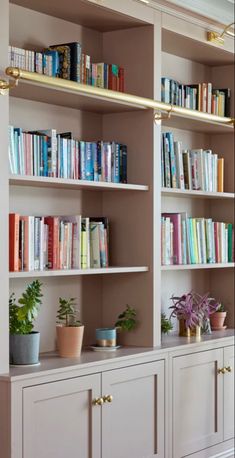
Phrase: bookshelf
pixel 112 34
pixel 187 58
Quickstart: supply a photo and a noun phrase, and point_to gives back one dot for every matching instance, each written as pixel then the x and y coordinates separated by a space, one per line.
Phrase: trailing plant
pixel 23 314
pixel 127 319
pixel 67 313
pixel 166 324
pixel 193 308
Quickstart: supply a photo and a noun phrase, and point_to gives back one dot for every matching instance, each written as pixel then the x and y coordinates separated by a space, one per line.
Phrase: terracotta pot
pixel 188 332
pixel 69 340
pixel 217 320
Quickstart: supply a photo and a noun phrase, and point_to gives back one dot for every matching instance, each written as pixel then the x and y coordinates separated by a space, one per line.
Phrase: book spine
pixel 14 228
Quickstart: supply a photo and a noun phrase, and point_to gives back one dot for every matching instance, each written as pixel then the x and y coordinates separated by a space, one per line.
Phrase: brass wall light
pixel 215 37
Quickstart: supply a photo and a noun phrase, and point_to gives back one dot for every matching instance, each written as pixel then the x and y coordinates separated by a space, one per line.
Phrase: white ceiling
pixel 221 11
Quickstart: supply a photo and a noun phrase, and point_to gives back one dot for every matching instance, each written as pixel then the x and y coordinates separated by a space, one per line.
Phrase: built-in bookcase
pixel 148 44
pixel 191 63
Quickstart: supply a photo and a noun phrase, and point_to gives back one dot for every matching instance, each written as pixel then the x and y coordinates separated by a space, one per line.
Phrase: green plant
pixel 166 324
pixel 220 308
pixel 23 314
pixel 127 320
pixel 66 314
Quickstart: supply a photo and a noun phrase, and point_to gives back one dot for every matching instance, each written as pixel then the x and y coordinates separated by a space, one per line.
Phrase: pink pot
pixel 69 340
pixel 217 320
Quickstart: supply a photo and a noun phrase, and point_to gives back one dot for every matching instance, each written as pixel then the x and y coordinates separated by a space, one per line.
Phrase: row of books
pixel 202 96
pixel 46 153
pixel 38 243
pixel 68 61
pixel 195 169
pixel 188 240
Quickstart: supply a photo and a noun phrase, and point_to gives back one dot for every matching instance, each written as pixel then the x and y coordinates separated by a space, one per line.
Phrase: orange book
pixel 14 230
pixel 221 175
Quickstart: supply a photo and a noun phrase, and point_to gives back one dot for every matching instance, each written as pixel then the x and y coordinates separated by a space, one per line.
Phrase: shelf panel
pixel 78 272
pixel 183 122
pixel 169 192
pixel 199 266
pixel 89 13
pixel 62 183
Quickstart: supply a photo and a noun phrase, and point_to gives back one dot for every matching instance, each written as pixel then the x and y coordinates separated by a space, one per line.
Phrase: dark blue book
pixel 123 163
pixel 89 170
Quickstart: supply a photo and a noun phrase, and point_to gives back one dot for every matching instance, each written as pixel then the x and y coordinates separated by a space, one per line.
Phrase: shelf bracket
pixel 6 86
pixel 160 116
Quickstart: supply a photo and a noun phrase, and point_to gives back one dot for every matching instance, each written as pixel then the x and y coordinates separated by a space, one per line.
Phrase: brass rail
pixel 114 96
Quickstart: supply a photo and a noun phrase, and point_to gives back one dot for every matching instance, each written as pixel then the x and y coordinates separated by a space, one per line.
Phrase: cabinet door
pixel 133 423
pixel 59 419
pixel 229 394
pixel 197 402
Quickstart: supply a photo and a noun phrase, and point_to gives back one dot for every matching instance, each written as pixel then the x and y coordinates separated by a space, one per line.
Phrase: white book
pixel 199 168
pixel 167 241
pixel 209 164
pixel 41 244
pixel 95 245
pixel 203 239
pixel 75 223
pixel 179 165
pixel 226 244
pixel 215 188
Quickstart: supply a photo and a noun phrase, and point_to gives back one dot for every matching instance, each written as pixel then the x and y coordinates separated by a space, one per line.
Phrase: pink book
pixel 175 219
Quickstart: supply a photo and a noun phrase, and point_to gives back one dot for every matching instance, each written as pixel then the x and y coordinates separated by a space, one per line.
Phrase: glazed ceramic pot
pixel 24 348
pixel 106 337
pixel 69 341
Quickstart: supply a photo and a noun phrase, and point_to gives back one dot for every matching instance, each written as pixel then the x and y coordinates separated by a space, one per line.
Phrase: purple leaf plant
pixel 193 308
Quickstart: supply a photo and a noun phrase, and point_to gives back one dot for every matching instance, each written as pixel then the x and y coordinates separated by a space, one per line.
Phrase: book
pixel 14 228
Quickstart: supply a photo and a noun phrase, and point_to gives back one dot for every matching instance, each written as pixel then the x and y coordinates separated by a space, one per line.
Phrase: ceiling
pixel 221 11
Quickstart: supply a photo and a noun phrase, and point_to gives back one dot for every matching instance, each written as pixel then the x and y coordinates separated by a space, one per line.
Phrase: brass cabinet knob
pixel 222 370
pixel 98 402
pixel 228 369
pixel 108 398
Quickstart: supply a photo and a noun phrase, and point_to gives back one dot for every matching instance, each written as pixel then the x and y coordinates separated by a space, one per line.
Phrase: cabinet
pixel 202 401
pixel 59 419
pixel 229 393
pixel 62 419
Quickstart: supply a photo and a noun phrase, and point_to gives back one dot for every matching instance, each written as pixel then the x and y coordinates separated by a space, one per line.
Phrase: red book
pixel 14 229
pixel 175 219
pixel 121 79
pixel 53 241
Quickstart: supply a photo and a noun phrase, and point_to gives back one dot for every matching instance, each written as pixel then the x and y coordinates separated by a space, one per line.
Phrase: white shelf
pixel 47 182
pixel 78 272
pixel 169 192
pixel 220 265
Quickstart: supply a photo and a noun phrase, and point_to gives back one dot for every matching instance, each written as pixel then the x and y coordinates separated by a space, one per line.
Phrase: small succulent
pixel 127 320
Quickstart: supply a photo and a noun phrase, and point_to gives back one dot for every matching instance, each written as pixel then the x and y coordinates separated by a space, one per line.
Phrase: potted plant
pixel 69 330
pixel 218 317
pixel 126 320
pixel 192 310
pixel 24 341
pixel 166 324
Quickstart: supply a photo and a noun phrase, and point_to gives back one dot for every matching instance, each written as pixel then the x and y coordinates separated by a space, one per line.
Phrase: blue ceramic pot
pixel 106 337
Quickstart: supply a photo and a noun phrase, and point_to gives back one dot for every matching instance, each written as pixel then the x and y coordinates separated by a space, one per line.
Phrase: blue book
pixel 115 160
pixel 95 161
pixel 106 76
pixel 55 61
pixel 165 90
pixel 45 156
pixel 191 242
pixel 169 136
pixel 99 154
pixel 82 160
pixel 123 163
pixel 89 171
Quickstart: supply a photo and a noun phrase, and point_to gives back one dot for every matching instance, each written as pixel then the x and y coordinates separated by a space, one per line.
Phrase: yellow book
pixel 220 183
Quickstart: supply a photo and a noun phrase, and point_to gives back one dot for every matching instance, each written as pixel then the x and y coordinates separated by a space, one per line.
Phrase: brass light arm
pixel 6 85
pixel 215 37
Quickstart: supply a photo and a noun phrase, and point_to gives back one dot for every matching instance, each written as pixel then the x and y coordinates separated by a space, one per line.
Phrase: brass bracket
pixel 5 86
pixel 159 116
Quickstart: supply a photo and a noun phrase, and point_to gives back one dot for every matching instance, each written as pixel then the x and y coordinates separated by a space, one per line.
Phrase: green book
pixel 230 242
